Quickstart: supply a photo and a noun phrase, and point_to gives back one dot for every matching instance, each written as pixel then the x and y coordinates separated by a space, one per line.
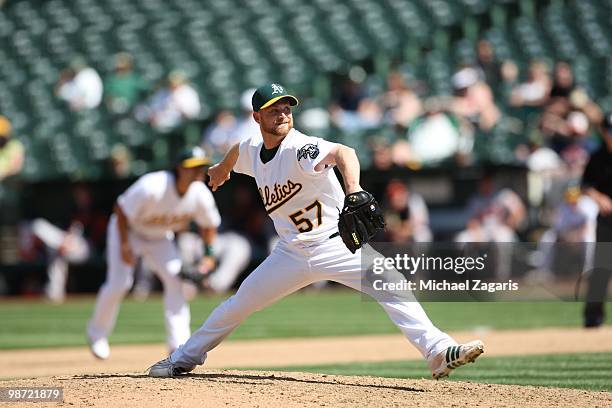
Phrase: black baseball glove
pixel 190 273
pixel 359 220
pixel 193 272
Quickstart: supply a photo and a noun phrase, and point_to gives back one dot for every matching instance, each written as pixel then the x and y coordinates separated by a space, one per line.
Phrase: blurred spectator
pixel 315 121
pixel 487 228
pixel 120 161
pixel 246 126
pixel 509 73
pixel 567 134
pixel 123 89
pixel 553 122
pixel 535 91
pixel 485 59
pixel 80 86
pixel 580 101
pixel 480 202
pixel 171 105
pixel 563 81
pixel 406 215
pixel 350 96
pixel 228 130
pixel 507 216
pixel 546 178
pixel 473 232
pixel 574 222
pixel 597 184
pixel 12 157
pixel 576 152
pixel 400 105
pixel 576 217
pixel 510 209
pixel 567 94
pixel 503 204
pixel 542 159
pixel 11 151
pixel 353 110
pixel 473 99
pixel 220 135
pixel 382 154
pixel 493 217
pixel 435 137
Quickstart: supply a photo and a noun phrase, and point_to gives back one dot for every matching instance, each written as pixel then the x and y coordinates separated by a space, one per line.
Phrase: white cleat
pixel 456 356
pixel 99 348
pixel 167 369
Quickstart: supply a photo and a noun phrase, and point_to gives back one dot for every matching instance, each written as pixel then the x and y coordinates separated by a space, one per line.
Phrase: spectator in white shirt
pixel 80 86
pixel 171 105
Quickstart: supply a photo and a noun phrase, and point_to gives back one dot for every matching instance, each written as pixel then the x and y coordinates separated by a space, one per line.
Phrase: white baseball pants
pixel 289 268
pixel 164 259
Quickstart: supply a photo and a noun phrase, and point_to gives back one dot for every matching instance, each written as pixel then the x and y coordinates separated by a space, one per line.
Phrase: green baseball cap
pixel 269 94
pixel 193 157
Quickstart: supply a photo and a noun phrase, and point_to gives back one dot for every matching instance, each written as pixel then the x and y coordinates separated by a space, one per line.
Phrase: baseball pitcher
pixel 302 195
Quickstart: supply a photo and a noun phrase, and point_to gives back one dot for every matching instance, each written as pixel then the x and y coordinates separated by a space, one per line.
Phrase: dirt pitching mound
pixel 223 388
pixel 272 353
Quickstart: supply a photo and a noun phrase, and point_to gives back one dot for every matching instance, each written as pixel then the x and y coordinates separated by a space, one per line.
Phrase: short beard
pixel 280 134
pixel 273 130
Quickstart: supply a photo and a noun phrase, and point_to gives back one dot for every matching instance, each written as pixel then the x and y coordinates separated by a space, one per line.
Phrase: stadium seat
pixel 228 46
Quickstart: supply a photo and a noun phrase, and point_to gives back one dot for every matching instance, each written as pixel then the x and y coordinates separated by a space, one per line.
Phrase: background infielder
pixel 143 225
pixel 302 195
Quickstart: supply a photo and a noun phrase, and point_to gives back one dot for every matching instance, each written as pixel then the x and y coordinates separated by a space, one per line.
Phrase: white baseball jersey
pixel 302 202
pixel 154 208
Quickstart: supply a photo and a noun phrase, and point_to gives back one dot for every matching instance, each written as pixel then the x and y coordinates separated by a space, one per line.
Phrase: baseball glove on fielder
pixel 190 273
pixel 359 220
pixel 193 272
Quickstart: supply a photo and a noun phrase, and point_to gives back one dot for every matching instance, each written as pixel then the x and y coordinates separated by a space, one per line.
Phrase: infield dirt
pixel 122 380
pixel 216 388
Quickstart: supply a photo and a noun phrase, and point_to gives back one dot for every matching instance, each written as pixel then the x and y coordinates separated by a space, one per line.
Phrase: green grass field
pixel 589 371
pixel 27 324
